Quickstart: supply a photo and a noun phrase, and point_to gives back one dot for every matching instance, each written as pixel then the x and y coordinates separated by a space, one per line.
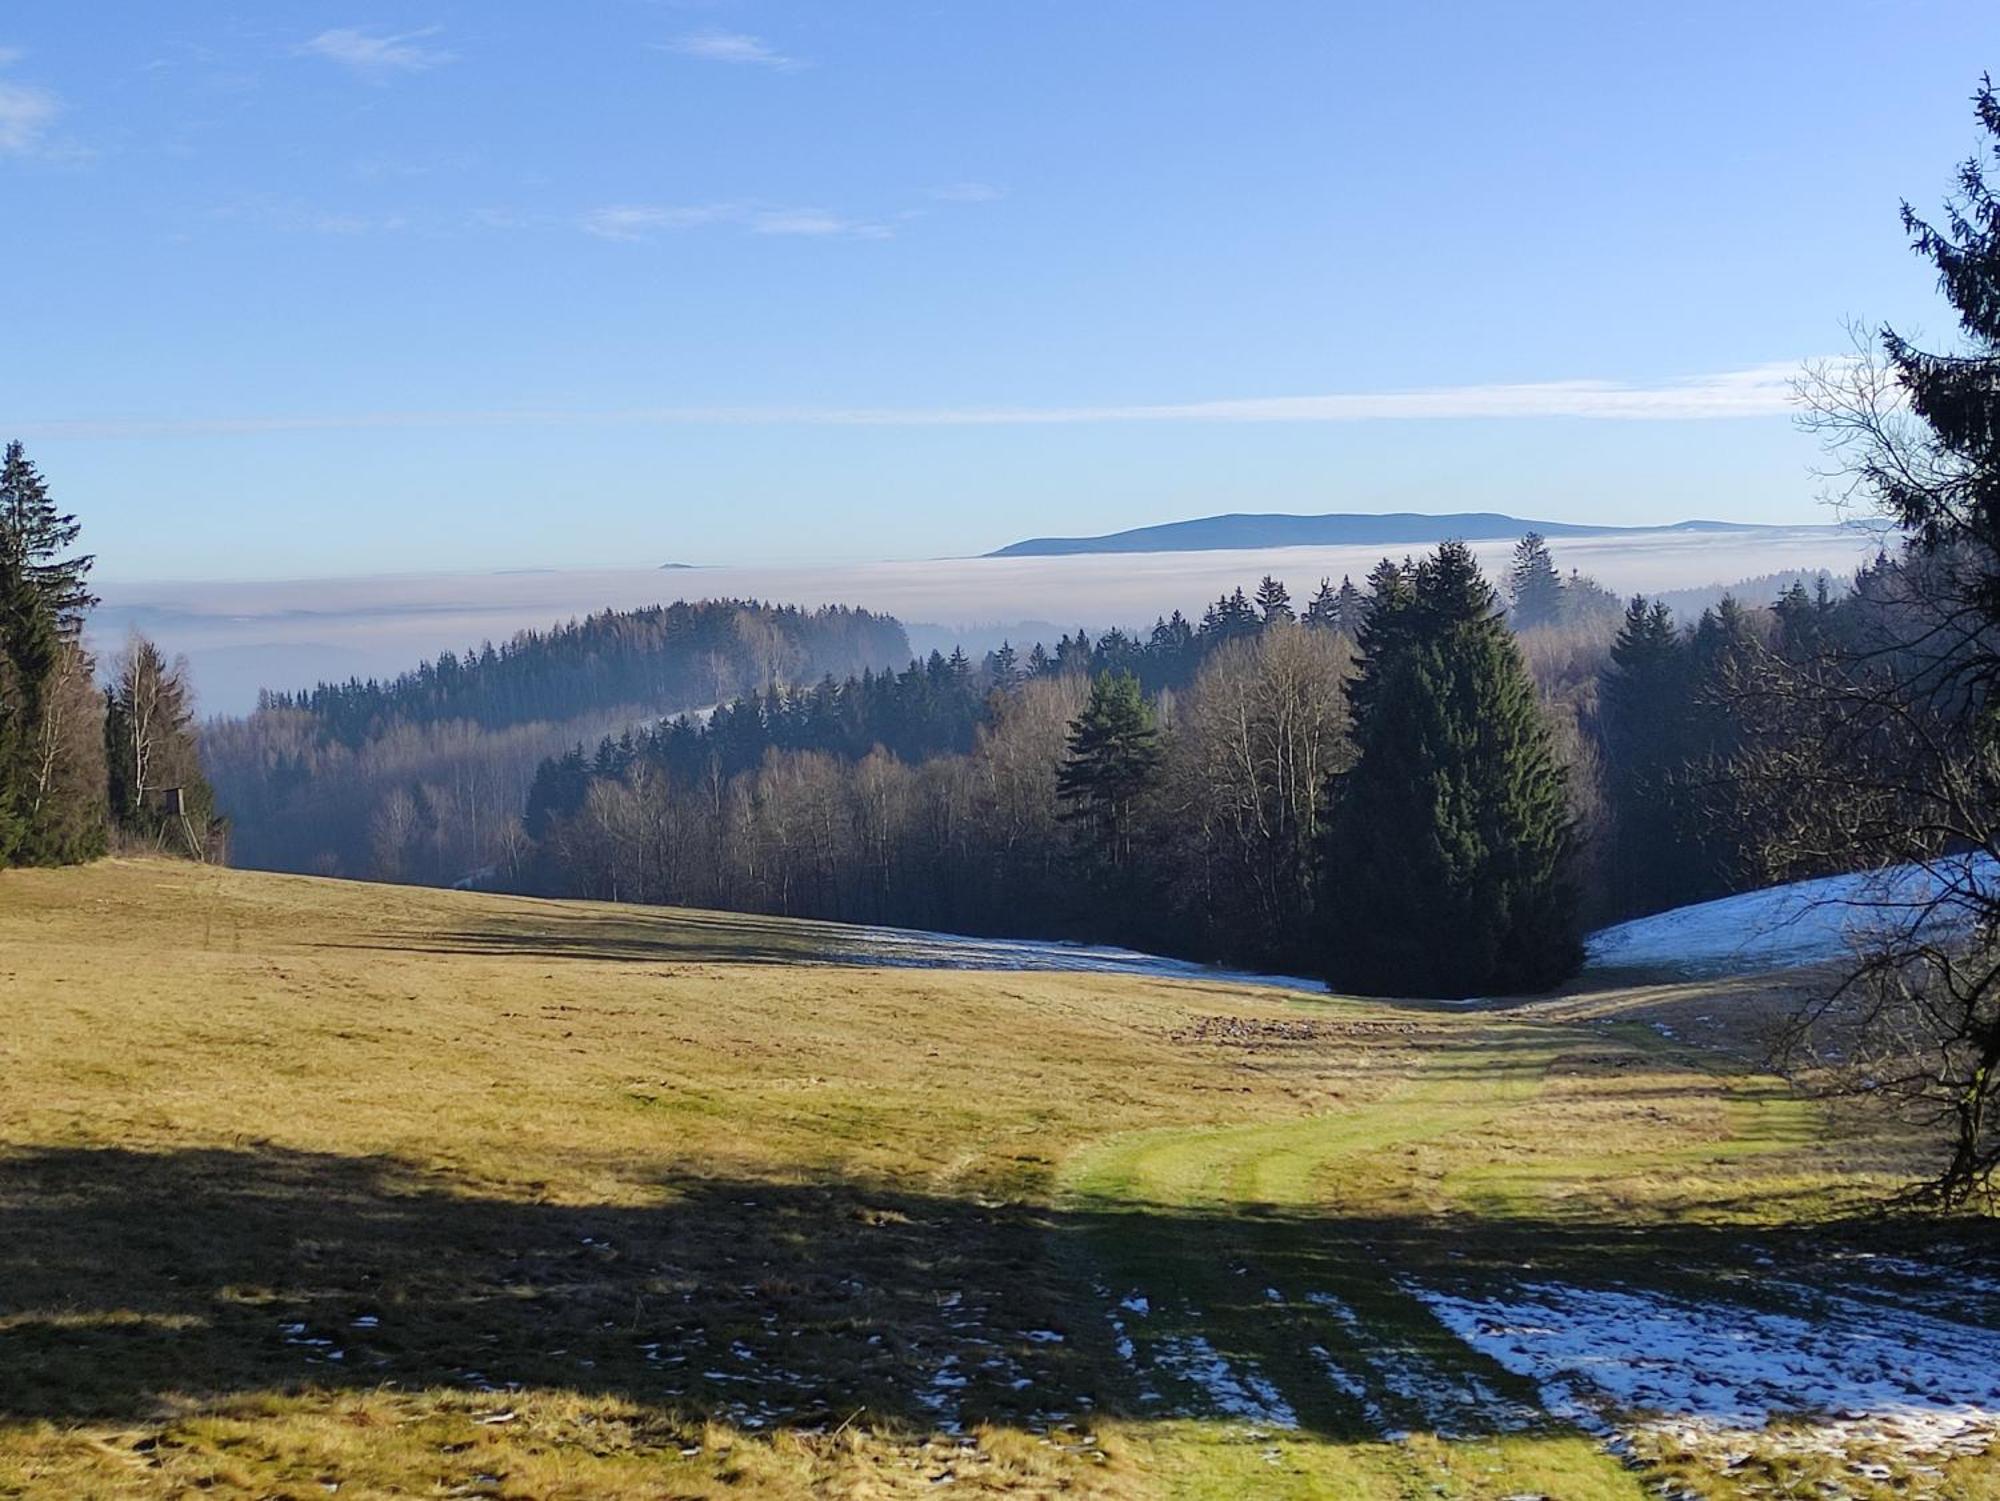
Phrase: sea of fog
pixel 242 636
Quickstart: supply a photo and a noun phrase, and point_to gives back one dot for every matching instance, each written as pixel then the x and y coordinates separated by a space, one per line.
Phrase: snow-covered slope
pixel 907 948
pixel 1807 922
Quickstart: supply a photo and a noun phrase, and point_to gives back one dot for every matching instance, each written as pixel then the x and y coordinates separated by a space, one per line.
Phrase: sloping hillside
pixel 314 1188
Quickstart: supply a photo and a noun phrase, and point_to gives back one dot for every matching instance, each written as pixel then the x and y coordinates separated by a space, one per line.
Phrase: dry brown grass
pixel 601 1201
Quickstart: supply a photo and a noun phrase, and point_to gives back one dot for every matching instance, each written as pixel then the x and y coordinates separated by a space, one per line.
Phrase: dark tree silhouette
pixel 1448 850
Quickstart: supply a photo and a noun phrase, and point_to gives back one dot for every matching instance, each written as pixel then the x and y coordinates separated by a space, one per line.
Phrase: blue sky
pixel 305 289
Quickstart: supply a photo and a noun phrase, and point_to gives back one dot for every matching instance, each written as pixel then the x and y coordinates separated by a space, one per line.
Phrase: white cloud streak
pixel 1761 391
pixel 732 47
pixel 26 113
pixel 376 58
pixel 642 221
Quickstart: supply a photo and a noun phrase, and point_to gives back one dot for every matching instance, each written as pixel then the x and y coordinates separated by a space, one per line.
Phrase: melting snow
pixel 1449 1403
pixel 1807 922
pixel 1239 1393
pixel 905 948
pixel 1630 1361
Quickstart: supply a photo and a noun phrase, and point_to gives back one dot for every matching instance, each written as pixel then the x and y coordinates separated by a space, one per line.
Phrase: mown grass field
pixel 314 1188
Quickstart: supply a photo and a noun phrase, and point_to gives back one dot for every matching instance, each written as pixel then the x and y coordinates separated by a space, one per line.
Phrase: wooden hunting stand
pixel 173 803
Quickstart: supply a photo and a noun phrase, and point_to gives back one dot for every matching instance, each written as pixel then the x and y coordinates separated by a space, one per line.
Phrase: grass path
pixel 1300 1236
pixel 310 1184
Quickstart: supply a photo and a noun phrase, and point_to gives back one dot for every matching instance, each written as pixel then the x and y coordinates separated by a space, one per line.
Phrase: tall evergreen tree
pixel 1114 755
pixel 42 601
pixel 29 650
pixel 40 536
pixel 1446 862
pixel 1382 629
pixel 1004 666
pixel 1347 607
pixel 1170 649
pixel 1643 696
pixel 1230 617
pixel 1323 612
pixel 1534 585
pixel 1274 601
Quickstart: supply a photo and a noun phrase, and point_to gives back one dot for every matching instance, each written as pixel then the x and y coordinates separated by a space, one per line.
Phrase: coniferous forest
pixel 82 766
pixel 1392 786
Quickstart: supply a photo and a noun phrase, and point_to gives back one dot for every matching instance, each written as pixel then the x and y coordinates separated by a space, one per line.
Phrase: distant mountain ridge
pixel 1334 529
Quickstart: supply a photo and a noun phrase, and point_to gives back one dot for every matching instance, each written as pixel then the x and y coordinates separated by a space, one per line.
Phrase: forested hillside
pixel 423 777
pixel 84 765
pixel 1206 788
pixel 1169 788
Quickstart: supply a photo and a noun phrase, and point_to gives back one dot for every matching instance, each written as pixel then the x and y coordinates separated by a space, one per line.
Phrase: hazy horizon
pixel 242 635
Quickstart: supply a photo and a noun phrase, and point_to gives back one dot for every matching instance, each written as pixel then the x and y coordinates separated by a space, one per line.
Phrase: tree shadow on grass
pixel 126 1276
pixel 632 934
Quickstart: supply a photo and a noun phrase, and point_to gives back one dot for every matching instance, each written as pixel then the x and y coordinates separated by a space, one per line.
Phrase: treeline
pixel 680 653
pixel 1170 788
pixel 1272 786
pixel 981 839
pixel 82 768
pixel 423 778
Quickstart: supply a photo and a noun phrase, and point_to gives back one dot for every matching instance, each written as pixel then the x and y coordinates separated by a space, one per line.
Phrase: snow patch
pixel 1451 1404
pixel 1236 1392
pixel 905 948
pixel 1710 1375
pixel 1806 922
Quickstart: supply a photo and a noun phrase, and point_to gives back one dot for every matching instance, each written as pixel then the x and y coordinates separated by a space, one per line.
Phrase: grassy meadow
pixel 311 1188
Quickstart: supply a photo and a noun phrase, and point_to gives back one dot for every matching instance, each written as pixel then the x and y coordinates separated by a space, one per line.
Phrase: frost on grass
pixel 1398 1387
pixel 1841 1373
pixel 1237 1391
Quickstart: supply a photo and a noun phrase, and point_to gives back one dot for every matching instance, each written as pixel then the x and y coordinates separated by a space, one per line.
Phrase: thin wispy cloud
pixel 815 223
pixel 637 221
pixel 1760 391
pixel 26 112
pixel 374 57
pixel 297 216
pixel 732 47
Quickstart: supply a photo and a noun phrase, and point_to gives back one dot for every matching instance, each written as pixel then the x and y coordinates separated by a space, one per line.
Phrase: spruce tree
pixel 1382 629
pixel 1114 755
pixel 1274 601
pixel 42 603
pixel 1446 861
pixel 1004 666
pixel 1229 618
pixel 40 535
pixel 30 645
pixel 1347 607
pixel 1323 613
pixel 1643 707
pixel 1534 585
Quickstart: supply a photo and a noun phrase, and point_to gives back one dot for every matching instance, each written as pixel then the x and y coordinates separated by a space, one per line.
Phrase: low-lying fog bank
pixel 242 636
